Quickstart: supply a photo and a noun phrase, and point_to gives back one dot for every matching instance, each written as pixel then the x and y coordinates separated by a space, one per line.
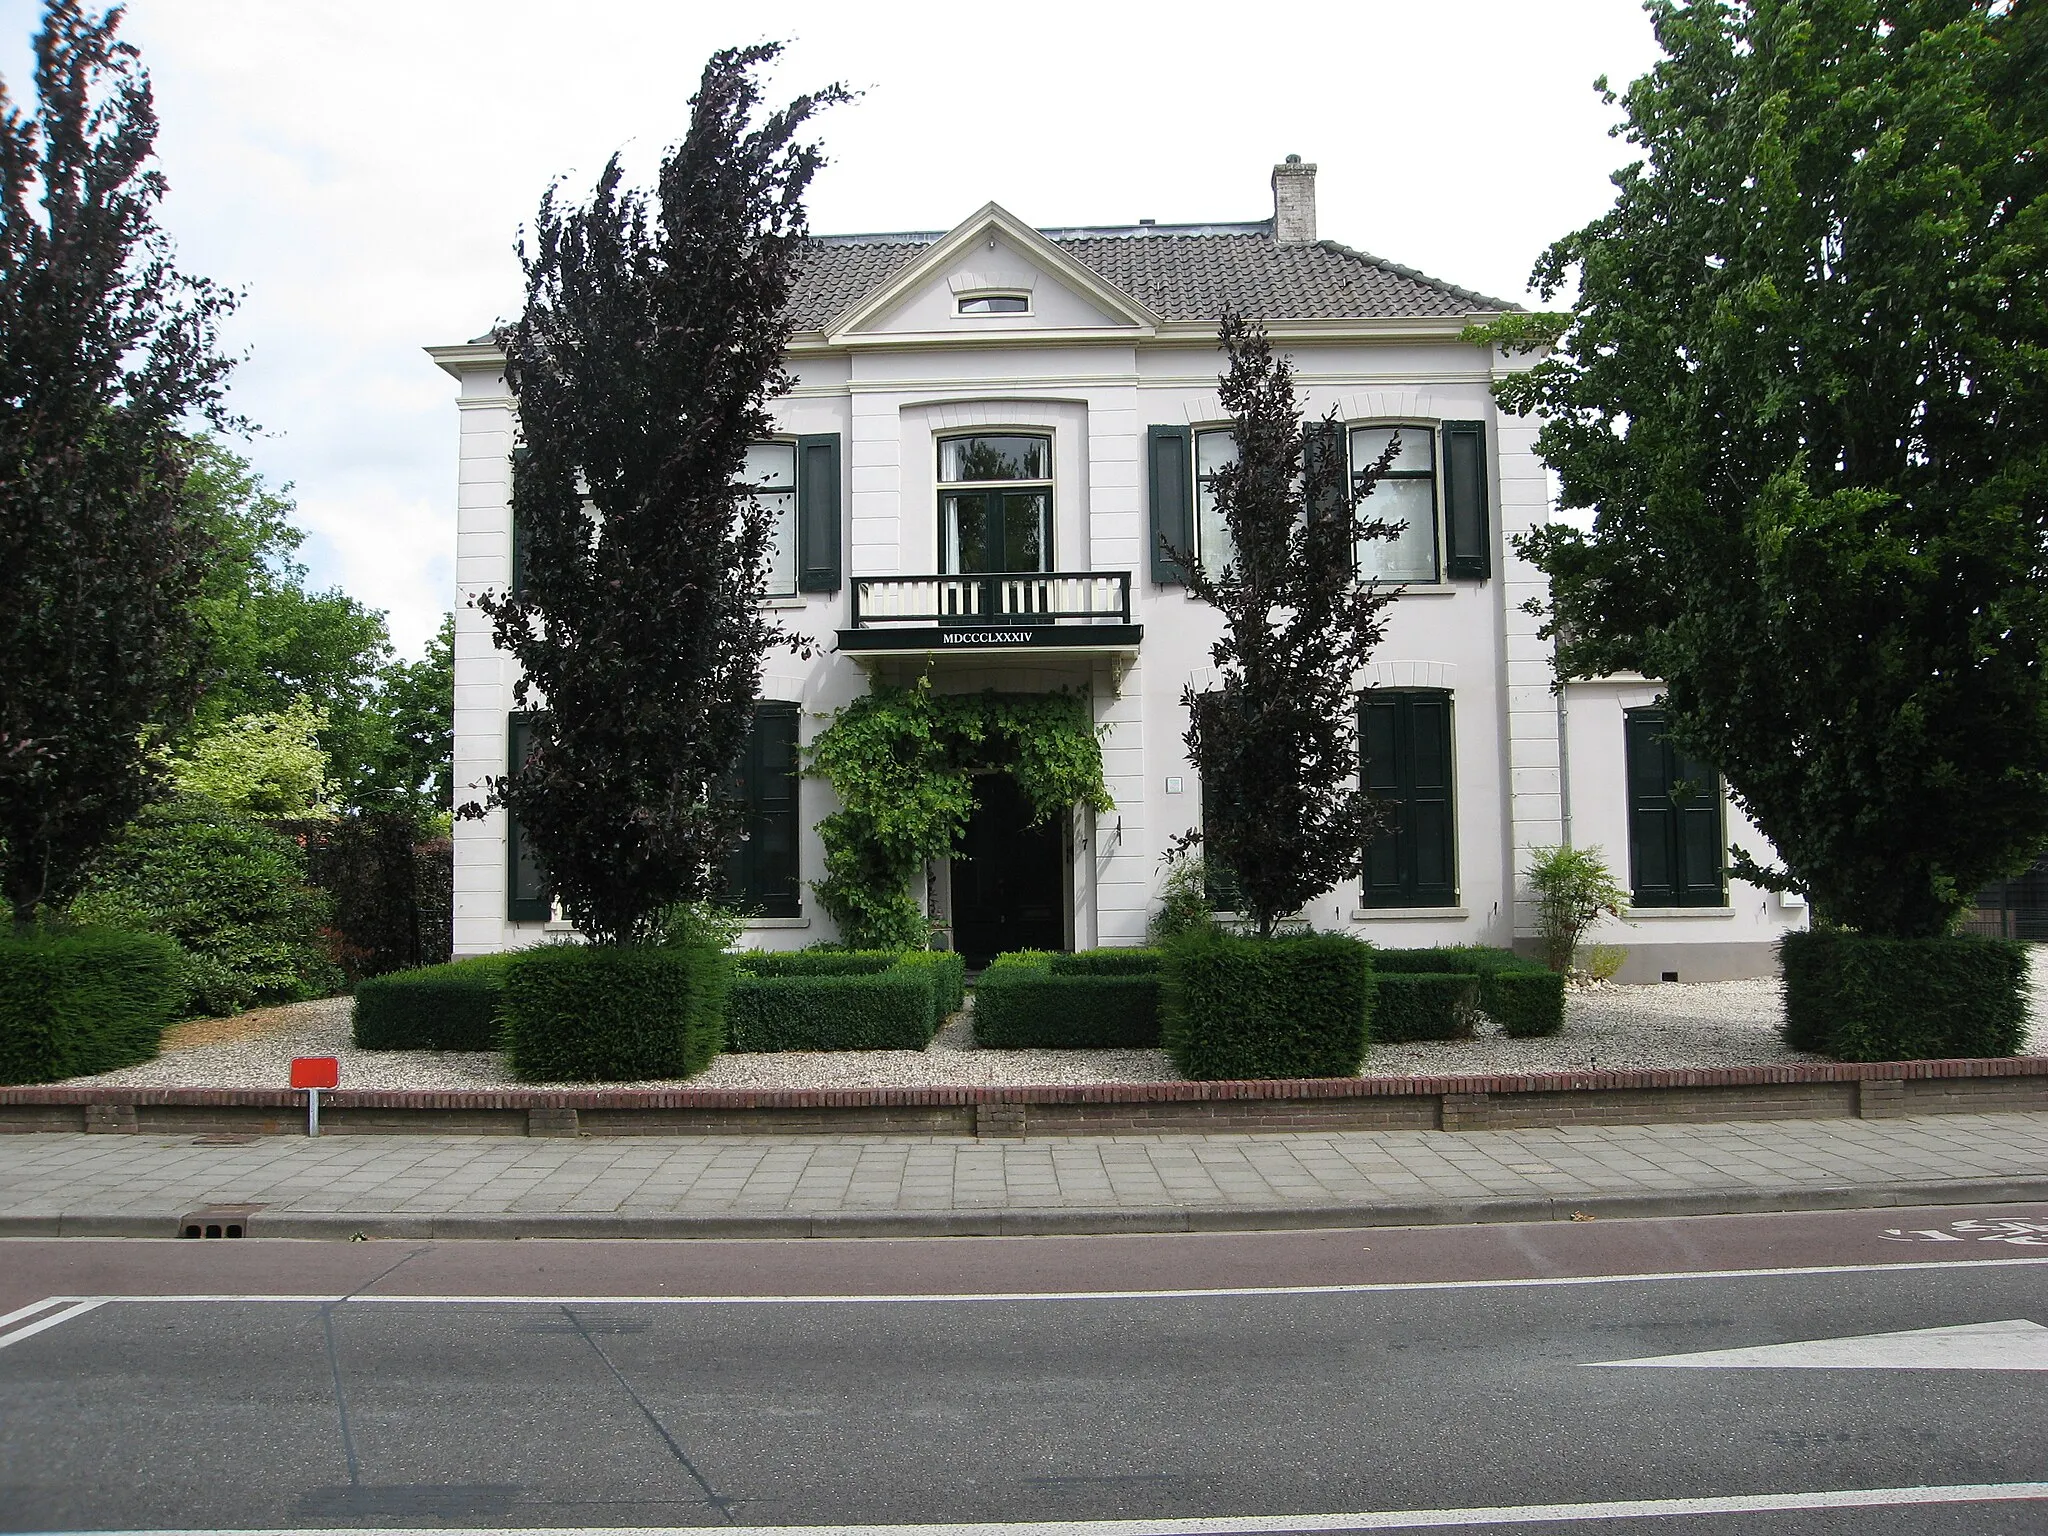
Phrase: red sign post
pixel 313 1073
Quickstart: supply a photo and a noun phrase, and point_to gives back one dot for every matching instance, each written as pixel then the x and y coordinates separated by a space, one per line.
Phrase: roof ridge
pixel 1415 275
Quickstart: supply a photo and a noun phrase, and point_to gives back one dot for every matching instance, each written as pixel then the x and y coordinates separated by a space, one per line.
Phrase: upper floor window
pixel 1214 450
pixel 1406 493
pixel 995 503
pixel 770 478
pixel 995 304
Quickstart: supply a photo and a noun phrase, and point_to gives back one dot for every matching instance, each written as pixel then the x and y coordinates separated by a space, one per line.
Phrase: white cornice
pixel 467 356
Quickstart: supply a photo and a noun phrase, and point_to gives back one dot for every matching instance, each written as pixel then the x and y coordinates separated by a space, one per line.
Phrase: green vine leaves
pixel 903 760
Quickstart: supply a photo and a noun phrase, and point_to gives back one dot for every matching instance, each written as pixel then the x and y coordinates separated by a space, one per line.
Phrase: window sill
pixel 1409 914
pixel 1439 589
pixel 796 601
pixel 1661 914
pixel 757 923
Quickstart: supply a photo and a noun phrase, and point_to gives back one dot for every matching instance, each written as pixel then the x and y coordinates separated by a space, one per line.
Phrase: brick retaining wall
pixel 1316 1104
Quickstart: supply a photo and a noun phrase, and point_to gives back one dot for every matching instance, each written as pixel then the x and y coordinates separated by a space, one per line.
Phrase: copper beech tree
pixel 1276 739
pixel 107 355
pixel 651 341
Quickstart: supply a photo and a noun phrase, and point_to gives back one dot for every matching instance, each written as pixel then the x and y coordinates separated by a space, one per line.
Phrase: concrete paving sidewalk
pixel 426 1186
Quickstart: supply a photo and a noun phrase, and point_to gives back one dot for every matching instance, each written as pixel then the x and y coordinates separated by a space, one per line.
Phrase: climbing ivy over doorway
pixel 903 762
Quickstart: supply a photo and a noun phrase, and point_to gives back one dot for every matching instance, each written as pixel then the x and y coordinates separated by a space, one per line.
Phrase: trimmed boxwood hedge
pixel 1096 1000
pixel 614 1012
pixel 454 1007
pixel 1523 996
pixel 842 1000
pixel 84 1001
pixel 1415 1005
pixel 1237 1007
pixel 1857 997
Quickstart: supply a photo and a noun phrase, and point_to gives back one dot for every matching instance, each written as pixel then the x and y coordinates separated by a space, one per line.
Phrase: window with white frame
pixel 1215 449
pixel 995 304
pixel 995 503
pixel 770 479
pixel 1405 494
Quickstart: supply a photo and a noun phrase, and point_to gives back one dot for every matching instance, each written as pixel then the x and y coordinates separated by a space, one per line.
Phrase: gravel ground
pixel 1607 1028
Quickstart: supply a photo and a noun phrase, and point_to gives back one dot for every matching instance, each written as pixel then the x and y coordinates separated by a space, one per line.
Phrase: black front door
pixel 1006 877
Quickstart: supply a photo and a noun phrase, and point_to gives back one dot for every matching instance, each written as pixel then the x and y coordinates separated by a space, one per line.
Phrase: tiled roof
pixel 1179 272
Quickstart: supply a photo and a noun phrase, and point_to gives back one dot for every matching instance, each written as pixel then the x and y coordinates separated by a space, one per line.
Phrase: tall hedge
pixel 81 1002
pixel 1238 1007
pixel 1860 998
pixel 454 1007
pixel 614 1012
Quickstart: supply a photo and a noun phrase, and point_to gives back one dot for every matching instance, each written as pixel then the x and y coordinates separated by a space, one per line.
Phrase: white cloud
pixel 363 168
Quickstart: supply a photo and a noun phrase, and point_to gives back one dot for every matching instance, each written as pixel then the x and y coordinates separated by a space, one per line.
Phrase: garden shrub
pixel 1524 1003
pixel 1237 1007
pixel 83 1001
pixel 1096 1000
pixel 453 1007
pixel 842 1000
pixel 1857 997
pixel 391 889
pixel 1523 996
pixel 230 892
pixel 614 1012
pixel 1415 1005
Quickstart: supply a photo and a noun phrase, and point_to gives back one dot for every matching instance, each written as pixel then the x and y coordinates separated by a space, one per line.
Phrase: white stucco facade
pixel 1093 367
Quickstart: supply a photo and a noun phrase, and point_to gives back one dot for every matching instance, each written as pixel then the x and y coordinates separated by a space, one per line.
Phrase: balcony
pixel 1071 611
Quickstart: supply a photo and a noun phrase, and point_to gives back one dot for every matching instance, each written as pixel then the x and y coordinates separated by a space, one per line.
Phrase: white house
pixel 996 423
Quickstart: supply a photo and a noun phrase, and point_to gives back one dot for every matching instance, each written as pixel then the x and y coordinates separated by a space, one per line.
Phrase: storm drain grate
pixel 217 1221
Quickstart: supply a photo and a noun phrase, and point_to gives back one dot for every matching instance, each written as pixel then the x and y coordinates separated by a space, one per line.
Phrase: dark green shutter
pixel 1173 501
pixel 1468 537
pixel 817 513
pixel 1323 462
pixel 1406 741
pixel 1674 820
pixel 761 875
pixel 1219 880
pixel 527 899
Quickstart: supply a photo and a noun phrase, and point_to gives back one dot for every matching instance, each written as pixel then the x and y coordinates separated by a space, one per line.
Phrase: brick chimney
pixel 1294 202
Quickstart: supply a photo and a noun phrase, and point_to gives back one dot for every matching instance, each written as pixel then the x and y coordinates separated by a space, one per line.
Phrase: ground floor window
pixel 761 876
pixel 1405 741
pixel 1675 839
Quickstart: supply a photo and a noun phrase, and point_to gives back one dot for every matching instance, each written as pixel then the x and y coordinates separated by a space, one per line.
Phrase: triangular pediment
pixel 991 253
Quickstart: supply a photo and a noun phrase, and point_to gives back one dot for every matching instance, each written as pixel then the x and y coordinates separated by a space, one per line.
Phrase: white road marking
pixel 76 1309
pixel 1368 1288
pixel 1257 1525
pixel 2014 1345
pixel 33 1308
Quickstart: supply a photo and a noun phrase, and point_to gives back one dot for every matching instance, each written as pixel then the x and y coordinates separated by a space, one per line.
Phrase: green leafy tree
pixel 233 894
pixel 107 351
pixel 1805 391
pixel 1276 740
pixel 271 640
pixel 651 341
pixel 267 766
pixel 415 703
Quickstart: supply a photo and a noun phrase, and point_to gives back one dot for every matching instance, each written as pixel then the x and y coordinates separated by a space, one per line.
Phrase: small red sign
pixel 316 1072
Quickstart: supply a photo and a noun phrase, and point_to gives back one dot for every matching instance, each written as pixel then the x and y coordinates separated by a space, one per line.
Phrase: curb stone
pixel 331 1226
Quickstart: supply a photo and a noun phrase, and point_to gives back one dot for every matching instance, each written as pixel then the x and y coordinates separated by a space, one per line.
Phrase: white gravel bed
pixel 1607 1028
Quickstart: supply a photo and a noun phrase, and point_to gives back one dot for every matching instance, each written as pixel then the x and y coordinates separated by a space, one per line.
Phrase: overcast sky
pixel 361 169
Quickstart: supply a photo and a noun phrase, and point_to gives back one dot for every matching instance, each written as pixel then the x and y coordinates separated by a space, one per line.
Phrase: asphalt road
pixel 1224 1380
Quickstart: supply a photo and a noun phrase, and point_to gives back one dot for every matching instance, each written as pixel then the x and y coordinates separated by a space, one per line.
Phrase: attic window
pixel 995 304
